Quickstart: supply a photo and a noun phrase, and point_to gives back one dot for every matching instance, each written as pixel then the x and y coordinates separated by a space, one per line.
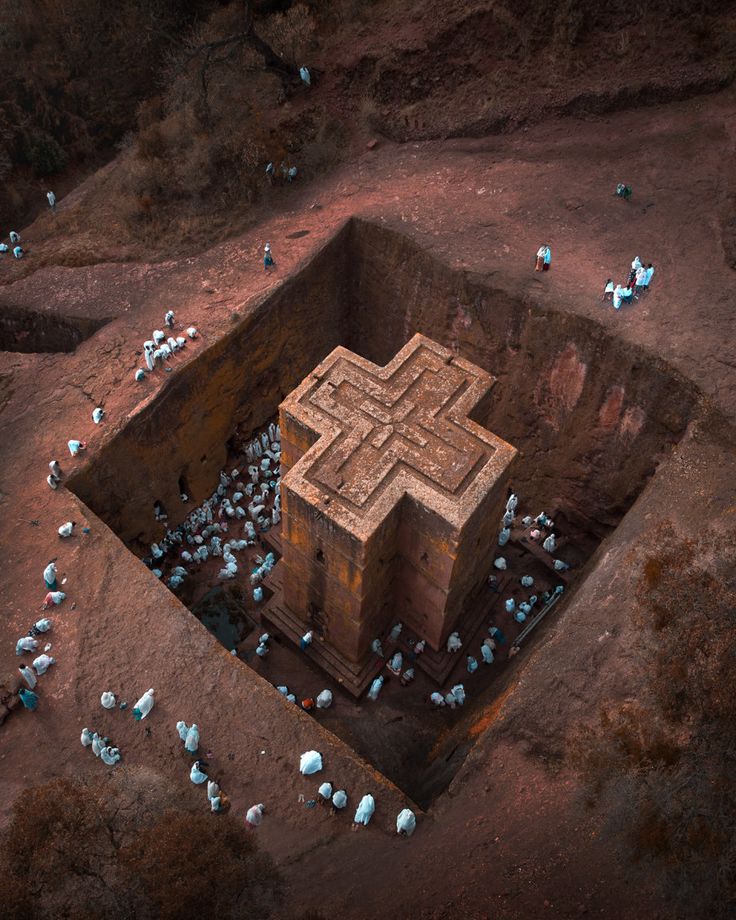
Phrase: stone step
pixel 438 665
pixel 354 678
pixel 273 538
pixel 522 539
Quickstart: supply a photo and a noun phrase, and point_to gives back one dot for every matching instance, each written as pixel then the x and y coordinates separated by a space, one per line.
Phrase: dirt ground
pixel 510 838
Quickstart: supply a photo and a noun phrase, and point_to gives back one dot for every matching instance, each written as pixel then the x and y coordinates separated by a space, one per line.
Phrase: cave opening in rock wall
pixel 29 331
pixel 590 416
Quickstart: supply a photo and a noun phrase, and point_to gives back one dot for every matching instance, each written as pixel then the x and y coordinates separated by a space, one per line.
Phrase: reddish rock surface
pixel 453 226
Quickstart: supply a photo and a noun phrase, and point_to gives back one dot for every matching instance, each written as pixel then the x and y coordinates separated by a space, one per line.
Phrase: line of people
pixel 159 348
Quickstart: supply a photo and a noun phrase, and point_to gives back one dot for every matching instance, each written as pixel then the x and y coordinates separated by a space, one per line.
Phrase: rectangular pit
pixel 590 415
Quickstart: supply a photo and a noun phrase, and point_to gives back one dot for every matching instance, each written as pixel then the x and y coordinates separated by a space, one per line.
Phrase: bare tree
pixel 206 56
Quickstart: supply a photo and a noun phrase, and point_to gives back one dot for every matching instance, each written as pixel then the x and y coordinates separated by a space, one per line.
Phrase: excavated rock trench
pixel 33 331
pixel 591 416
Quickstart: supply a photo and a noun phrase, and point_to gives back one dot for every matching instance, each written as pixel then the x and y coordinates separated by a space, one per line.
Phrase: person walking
pixel 49 576
pixel 268 262
pixel 544 258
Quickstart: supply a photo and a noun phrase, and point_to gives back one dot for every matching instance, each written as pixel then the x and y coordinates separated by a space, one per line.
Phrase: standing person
pixel 52 200
pixel 608 290
pixel 306 640
pixel 268 262
pixel 191 740
pixel 143 706
pixel 375 689
pixel 49 576
pixel 148 349
pixel 28 676
pixel 169 319
pixel 544 258
pixel 649 275
pixel 305 75
pixel 635 266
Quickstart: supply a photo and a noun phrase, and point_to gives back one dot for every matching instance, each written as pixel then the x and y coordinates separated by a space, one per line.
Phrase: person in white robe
pixel 144 705
pixel 365 810
pixel 406 822
pixel 196 775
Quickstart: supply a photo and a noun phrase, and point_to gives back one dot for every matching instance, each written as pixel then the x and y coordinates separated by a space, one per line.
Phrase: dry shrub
pixel 127 847
pixel 151 143
pixel 628 738
pixel 674 756
pixel 569 19
pixel 197 866
pixel 291 33
pixel 73 74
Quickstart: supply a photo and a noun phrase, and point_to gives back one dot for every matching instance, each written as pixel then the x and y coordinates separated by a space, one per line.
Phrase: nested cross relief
pixel 407 421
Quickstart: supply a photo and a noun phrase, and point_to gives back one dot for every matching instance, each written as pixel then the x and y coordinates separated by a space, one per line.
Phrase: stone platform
pixel 521 537
pixel 436 664
pixel 276 616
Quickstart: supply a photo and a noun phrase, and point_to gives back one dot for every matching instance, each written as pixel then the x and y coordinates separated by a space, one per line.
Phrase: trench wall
pixel 32 331
pixel 590 415
pixel 240 379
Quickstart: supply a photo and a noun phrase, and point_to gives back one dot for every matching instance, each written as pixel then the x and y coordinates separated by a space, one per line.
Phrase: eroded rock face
pixel 239 381
pixel 560 391
pixel 33 331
